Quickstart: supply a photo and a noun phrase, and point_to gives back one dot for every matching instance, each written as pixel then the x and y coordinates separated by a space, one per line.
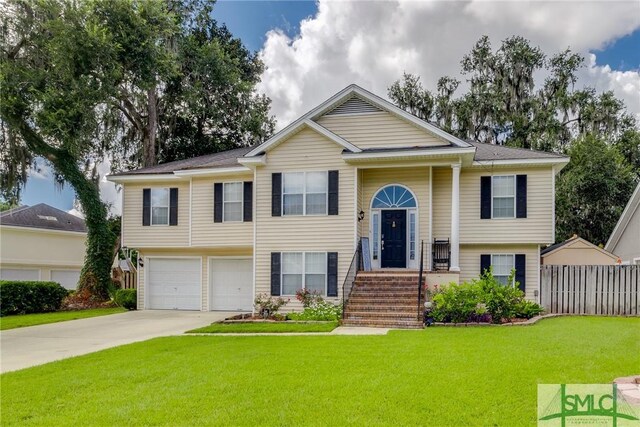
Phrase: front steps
pixel 384 299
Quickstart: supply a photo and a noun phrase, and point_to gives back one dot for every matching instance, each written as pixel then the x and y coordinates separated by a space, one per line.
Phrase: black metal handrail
pixel 420 278
pixel 347 285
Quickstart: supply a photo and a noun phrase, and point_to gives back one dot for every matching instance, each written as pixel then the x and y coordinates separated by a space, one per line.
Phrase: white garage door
pixel 67 278
pixel 19 274
pixel 173 283
pixel 231 284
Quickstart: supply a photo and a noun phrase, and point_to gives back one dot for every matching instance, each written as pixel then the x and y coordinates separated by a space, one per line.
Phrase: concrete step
pixel 404 315
pixel 414 324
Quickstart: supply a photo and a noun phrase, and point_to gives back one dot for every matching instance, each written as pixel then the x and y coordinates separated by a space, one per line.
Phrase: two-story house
pixel 216 230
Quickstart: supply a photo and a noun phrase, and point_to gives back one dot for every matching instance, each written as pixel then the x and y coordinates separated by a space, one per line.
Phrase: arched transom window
pixel 393 196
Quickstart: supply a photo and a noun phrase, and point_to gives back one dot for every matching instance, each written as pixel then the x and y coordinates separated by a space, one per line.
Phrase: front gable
pixel 354 114
pixel 368 127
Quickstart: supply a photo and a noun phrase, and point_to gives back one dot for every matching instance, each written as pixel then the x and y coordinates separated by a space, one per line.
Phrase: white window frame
pixel 168 206
pixel 304 194
pixel 636 261
pixel 515 196
pixel 304 272
pixel 513 266
pixel 235 201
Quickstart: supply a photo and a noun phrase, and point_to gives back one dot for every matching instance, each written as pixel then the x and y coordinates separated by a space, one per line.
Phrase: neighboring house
pixel 41 243
pixel 577 251
pixel 625 239
pixel 216 230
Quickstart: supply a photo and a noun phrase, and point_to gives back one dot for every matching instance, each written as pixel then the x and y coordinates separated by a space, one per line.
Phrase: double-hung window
pixel 502 265
pixel 504 196
pixel 232 201
pixel 304 193
pixel 304 270
pixel 159 206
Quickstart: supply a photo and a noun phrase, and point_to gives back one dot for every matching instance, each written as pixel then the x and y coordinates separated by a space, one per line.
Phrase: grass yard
pixel 271 327
pixel 22 320
pixel 446 376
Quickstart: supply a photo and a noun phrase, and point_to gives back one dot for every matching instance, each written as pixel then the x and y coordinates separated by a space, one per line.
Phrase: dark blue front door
pixel 393 238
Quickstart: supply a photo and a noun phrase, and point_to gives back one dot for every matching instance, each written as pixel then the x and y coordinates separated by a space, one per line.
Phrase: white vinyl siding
pixel 304 270
pixel 232 201
pixel 135 235
pixel 536 228
pixel 159 206
pixel 207 233
pixel 503 193
pixel 304 193
pixel 379 130
pixel 502 265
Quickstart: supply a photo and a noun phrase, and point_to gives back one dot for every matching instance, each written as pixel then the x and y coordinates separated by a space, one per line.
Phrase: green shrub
pixel 482 300
pixel 23 297
pixel 527 309
pixel 268 306
pixel 456 302
pixel 321 310
pixel 126 298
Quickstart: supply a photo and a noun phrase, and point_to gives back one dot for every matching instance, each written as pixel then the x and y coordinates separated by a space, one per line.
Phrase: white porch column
pixel 455 218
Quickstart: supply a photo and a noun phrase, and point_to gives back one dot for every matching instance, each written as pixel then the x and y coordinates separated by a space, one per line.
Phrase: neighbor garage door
pixel 173 283
pixel 231 284
pixel 67 278
pixel 19 274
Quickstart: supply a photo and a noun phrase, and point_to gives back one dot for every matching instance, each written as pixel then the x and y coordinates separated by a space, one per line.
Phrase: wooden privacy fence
pixel 590 289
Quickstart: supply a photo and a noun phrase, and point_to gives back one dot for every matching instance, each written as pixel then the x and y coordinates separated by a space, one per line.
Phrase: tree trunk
pixel 96 273
pixel 149 143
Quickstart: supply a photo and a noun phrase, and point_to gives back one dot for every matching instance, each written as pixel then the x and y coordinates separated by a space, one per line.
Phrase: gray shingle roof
pixel 42 216
pixel 488 152
pixel 223 159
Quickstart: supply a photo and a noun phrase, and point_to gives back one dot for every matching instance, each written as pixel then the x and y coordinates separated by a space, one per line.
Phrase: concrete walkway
pixel 340 330
pixel 34 345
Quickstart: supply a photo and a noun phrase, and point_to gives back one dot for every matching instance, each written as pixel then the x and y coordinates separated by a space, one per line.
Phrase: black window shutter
pixel 173 206
pixel 146 206
pixel 275 273
pixel 521 196
pixel 334 184
pixel 217 202
pixel 276 194
pixel 247 191
pixel 332 274
pixel 485 263
pixel 485 197
pixel 521 271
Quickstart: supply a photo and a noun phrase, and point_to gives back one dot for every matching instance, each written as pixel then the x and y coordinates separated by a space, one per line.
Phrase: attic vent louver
pixel 354 105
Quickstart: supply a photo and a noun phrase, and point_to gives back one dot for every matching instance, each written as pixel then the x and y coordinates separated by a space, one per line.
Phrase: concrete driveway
pixel 24 347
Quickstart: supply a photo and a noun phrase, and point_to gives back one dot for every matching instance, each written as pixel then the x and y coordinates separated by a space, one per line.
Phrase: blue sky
pixel 251 20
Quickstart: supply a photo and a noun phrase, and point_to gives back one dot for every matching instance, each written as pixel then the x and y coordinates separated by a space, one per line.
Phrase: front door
pixel 393 239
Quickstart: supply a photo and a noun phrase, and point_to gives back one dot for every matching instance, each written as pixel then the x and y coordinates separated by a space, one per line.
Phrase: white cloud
pixel 625 84
pixel 372 43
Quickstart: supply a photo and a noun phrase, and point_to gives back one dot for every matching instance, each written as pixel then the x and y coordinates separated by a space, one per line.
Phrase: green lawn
pixel 22 320
pixel 441 376
pixel 272 327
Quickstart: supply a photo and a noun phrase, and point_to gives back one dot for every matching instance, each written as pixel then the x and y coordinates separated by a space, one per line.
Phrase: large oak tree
pixel 137 82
